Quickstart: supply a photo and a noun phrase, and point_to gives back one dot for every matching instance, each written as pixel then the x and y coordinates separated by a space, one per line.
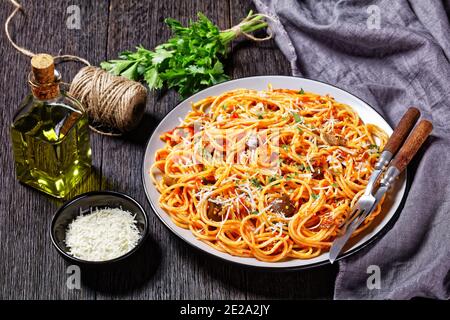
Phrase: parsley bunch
pixel 189 61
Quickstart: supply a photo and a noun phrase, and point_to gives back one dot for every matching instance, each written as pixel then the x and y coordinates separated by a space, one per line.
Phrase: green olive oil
pixel 50 138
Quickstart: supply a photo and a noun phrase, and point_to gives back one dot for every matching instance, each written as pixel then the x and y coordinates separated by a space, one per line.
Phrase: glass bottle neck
pixel 45 91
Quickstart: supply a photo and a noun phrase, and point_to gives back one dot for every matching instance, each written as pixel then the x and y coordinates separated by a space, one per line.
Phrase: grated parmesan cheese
pixel 102 235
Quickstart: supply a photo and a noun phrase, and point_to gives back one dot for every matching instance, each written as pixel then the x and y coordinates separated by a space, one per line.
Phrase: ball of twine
pixel 113 103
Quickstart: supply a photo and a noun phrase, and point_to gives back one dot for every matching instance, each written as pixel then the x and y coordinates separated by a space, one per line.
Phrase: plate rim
pixel 351 252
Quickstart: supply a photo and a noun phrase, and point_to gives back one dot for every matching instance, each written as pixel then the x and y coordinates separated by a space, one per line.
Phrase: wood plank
pixel 266 59
pixel 181 272
pixel 31 267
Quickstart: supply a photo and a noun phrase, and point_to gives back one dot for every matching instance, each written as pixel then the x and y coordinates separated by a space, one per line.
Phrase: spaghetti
pixel 266 174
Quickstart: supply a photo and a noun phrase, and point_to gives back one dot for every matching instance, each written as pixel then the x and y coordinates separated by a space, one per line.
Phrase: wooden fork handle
pixel 402 130
pixel 412 145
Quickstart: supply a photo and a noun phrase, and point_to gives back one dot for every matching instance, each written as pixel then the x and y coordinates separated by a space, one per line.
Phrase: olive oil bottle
pixel 50 134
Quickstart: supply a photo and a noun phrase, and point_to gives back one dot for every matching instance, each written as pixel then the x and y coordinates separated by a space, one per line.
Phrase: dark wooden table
pixel 166 267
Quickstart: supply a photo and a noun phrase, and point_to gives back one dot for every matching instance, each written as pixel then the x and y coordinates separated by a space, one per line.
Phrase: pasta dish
pixel 266 174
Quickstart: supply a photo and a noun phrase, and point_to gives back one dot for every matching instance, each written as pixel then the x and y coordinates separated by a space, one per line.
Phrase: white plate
pixel 367 114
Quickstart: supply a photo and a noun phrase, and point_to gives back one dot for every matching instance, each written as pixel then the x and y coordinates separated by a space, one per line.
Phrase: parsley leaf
pixel 297 117
pixel 255 183
pixel 314 196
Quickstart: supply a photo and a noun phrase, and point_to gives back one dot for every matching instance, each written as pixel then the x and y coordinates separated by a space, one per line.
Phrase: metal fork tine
pixel 350 221
pixel 354 214
pixel 351 217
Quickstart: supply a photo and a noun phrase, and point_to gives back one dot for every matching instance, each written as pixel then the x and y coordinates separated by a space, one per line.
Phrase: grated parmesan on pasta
pixel 102 235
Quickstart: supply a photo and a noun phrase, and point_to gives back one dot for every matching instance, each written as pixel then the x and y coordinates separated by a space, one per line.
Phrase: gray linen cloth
pixel 392 54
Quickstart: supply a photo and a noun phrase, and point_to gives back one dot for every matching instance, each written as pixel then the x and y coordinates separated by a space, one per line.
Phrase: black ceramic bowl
pixel 83 203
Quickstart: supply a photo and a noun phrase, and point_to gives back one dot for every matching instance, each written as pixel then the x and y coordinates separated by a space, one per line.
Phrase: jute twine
pixel 238 28
pixel 114 104
pixel 111 101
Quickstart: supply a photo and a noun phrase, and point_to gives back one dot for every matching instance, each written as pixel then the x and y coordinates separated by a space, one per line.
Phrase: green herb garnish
pixel 314 196
pixel 301 91
pixel 273 178
pixel 255 182
pixel 297 117
pixel 285 147
pixel 189 61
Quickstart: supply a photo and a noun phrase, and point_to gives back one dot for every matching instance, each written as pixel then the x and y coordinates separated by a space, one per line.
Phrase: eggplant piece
pixel 333 140
pixel 283 205
pixel 169 181
pixel 214 211
pixel 318 173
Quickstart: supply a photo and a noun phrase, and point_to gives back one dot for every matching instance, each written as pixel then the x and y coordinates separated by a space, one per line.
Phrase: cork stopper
pixel 43 67
pixel 44 80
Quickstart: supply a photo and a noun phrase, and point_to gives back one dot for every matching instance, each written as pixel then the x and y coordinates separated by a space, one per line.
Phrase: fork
pixel 365 203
